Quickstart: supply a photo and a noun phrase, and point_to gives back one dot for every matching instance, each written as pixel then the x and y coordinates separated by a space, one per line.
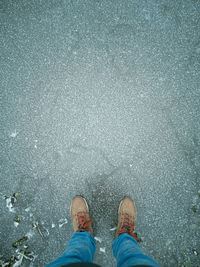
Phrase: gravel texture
pixel 100 98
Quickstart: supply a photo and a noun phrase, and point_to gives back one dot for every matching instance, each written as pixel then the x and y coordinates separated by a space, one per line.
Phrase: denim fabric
pixel 128 252
pixel 82 246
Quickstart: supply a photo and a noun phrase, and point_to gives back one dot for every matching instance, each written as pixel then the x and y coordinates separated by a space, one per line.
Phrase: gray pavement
pixel 100 98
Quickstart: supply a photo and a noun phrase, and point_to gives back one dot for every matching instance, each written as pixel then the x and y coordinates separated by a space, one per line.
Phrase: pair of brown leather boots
pixel 127 216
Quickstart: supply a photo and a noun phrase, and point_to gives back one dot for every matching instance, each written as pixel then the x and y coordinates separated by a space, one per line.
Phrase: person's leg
pixel 128 252
pixel 81 248
pixel 125 247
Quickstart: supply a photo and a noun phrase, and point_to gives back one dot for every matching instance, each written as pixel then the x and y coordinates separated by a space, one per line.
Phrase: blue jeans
pixel 82 246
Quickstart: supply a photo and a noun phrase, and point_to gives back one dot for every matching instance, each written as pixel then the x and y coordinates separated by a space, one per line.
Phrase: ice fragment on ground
pixel 195 252
pixel 47 232
pixel 24 255
pixel 53 225
pixel 113 229
pixel 2 264
pixel 14 134
pixel 168 242
pixel 62 222
pixel 19 261
pixel 35 146
pixel 27 209
pixel 98 239
pixel 30 234
pixel 103 249
pixel 16 224
pixel 9 203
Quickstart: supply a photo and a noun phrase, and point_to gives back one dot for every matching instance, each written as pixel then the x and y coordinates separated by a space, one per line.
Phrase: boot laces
pixel 83 223
pixel 128 227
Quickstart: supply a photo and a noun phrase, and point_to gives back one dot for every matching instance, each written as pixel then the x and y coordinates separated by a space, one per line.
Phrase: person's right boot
pixel 127 217
pixel 80 215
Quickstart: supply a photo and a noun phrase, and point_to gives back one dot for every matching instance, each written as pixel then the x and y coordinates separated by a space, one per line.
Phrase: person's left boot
pixel 80 215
